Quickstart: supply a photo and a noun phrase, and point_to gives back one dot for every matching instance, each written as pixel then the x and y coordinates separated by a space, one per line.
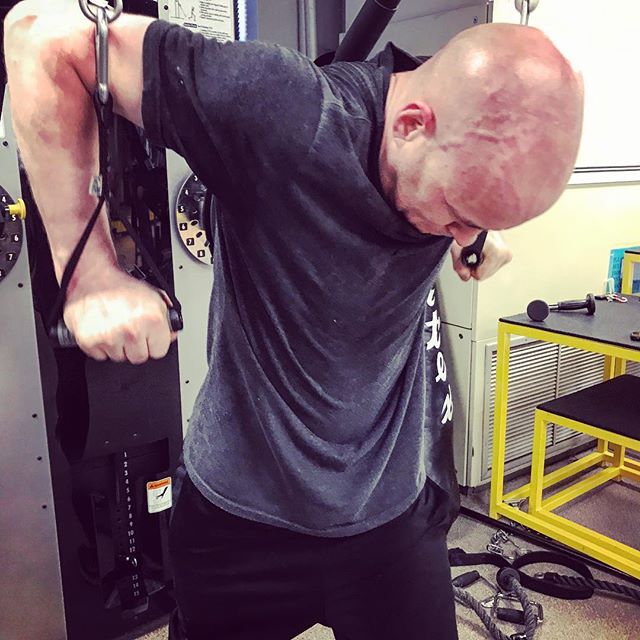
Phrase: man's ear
pixel 415 119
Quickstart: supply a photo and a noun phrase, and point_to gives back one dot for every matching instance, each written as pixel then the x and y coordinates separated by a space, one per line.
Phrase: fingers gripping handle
pixel 471 256
pixel 61 337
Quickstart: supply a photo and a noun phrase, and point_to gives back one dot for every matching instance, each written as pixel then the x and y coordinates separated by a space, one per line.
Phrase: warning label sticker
pixel 211 18
pixel 159 495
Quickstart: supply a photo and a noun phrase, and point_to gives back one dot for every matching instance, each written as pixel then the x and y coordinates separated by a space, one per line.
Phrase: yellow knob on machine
pixel 18 209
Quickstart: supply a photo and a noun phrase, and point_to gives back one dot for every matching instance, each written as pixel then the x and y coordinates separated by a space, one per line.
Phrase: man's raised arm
pixel 50 59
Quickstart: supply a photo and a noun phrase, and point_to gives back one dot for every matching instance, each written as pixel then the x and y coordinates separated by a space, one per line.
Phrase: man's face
pixel 425 201
pixel 476 140
pixel 444 192
pixel 470 183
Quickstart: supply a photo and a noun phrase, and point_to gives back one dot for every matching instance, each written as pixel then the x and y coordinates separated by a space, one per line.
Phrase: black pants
pixel 240 580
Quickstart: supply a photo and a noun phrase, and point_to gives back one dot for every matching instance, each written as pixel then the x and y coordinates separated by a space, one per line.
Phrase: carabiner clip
pixel 113 12
pixel 102 55
pixel 102 13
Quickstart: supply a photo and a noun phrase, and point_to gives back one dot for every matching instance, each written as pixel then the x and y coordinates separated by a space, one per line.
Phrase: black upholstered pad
pixel 613 405
pixel 612 323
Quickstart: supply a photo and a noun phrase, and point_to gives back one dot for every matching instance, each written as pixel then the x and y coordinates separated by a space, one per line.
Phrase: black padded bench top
pixel 613 405
pixel 611 324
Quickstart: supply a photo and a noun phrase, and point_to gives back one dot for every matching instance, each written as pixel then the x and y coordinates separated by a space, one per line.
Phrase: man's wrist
pixel 95 278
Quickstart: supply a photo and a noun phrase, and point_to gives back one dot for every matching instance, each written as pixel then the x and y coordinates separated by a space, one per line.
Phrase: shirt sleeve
pixel 239 112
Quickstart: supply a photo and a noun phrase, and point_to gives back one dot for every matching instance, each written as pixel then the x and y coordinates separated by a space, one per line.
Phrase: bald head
pixel 486 132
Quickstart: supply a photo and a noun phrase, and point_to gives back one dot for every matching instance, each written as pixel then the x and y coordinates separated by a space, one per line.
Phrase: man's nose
pixel 463 234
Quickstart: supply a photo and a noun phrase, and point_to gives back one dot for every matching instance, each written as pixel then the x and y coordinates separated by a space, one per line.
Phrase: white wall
pixel 601 40
pixel 278 22
pixel 422 27
pixel 424 35
pixel 563 254
pixel 410 8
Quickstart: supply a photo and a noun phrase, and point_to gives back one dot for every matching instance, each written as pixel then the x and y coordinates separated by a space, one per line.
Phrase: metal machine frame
pixel 539 516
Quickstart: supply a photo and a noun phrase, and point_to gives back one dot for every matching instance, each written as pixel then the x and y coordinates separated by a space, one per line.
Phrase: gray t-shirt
pixel 319 412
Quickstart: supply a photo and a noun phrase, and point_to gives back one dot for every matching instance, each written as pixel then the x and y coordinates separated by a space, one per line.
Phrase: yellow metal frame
pixel 610 454
pixel 628 263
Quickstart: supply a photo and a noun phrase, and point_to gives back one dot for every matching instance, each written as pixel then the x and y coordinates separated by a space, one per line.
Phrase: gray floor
pixel 611 510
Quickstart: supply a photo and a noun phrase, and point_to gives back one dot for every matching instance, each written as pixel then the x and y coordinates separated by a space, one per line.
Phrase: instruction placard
pixel 159 495
pixel 211 18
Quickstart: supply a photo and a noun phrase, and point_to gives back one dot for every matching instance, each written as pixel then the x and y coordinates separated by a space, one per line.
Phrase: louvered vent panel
pixel 539 371
pixel 532 379
pixel 633 368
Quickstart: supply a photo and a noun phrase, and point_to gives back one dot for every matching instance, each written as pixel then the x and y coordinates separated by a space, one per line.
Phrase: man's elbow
pixel 18 21
pixel 35 33
pixel 24 31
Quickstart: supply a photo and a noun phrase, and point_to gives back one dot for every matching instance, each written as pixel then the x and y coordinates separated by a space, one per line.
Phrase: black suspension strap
pixel 103 185
pixel 551 588
pixel 58 331
pixel 575 582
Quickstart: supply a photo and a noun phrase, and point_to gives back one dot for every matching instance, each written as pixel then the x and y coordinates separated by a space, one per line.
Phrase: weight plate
pixel 11 237
pixel 190 219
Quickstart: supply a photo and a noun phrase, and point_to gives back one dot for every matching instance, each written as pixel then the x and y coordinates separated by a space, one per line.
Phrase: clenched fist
pixel 119 318
pixel 495 255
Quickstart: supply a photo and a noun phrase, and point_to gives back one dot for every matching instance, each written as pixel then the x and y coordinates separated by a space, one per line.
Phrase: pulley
pixel 90 9
pixel 524 8
pixel 192 216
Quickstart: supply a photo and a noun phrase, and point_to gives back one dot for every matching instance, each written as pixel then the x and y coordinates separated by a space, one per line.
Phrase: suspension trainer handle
pixel 471 256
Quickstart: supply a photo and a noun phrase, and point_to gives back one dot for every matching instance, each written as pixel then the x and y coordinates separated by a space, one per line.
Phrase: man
pixel 320 484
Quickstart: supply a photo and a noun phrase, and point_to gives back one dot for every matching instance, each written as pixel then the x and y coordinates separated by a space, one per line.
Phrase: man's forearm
pixel 56 130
